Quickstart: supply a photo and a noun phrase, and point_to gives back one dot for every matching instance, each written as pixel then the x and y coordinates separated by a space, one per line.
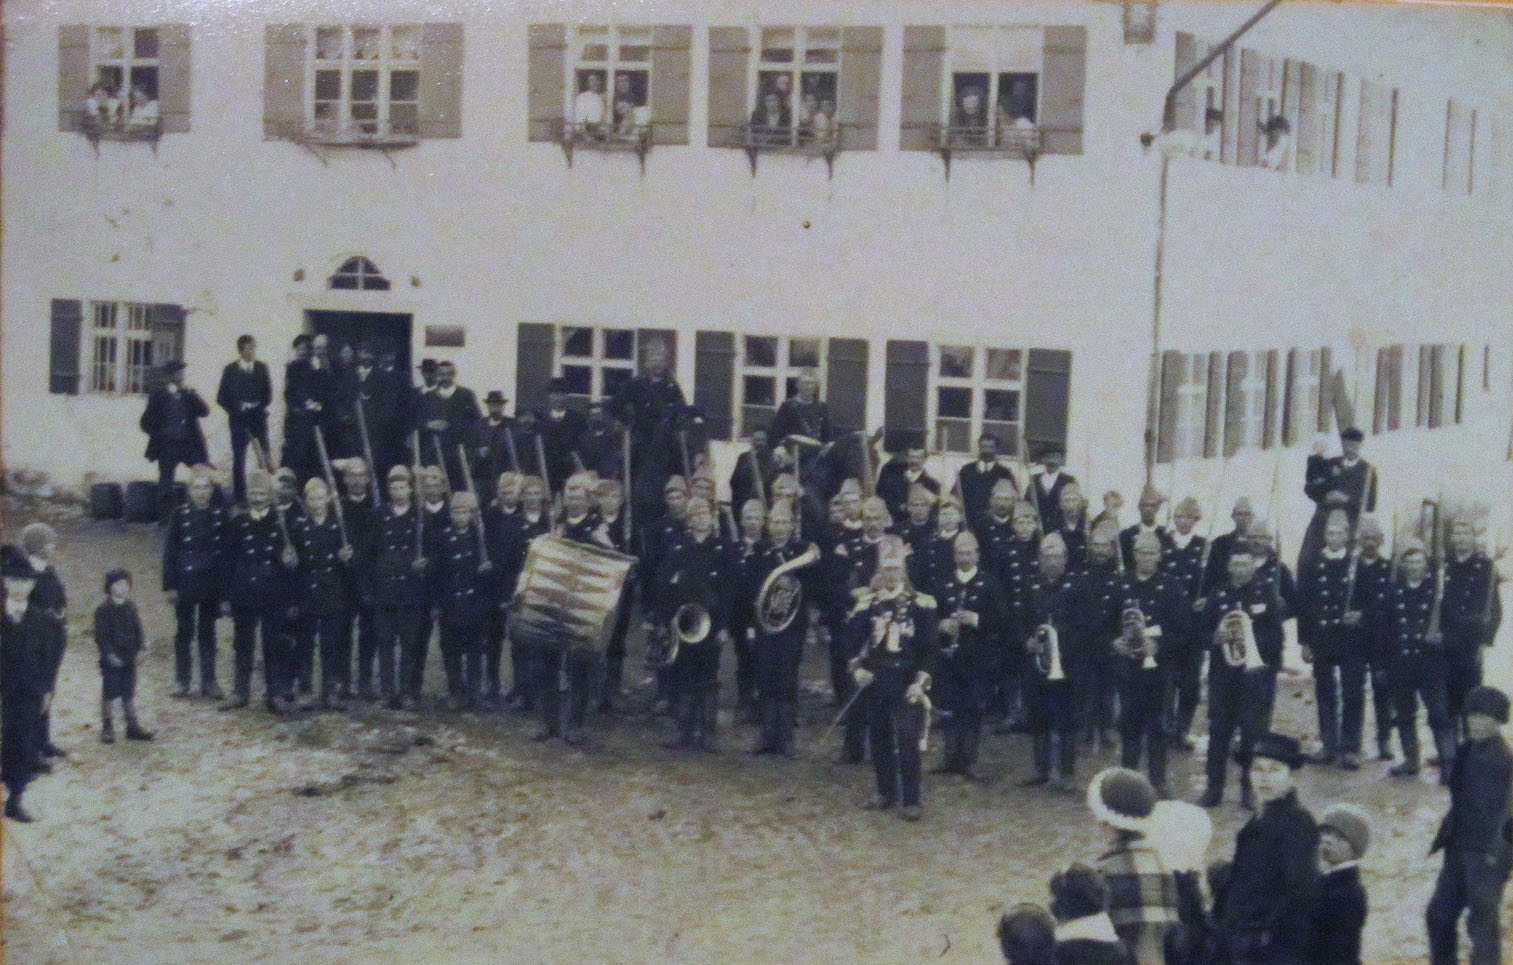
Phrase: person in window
pixel 969 123
pixel 589 107
pixel 245 392
pixel 102 109
pixel 144 110
pixel 1018 103
pixel 172 423
pixel 1212 145
pixel 771 120
pixel 1276 148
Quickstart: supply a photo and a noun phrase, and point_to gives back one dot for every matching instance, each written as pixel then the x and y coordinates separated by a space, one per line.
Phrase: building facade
pixel 948 209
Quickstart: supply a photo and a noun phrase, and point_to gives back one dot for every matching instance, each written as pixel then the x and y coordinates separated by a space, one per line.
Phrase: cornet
pixel 1136 639
pixel 1237 640
pixel 1046 646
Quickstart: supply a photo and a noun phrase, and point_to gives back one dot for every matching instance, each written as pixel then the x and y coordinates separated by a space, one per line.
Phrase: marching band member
pixel 995 529
pixel 743 554
pixel 1217 573
pixel 657 540
pixel 399 596
pixel 778 653
pixel 192 573
pixel 1048 487
pixel 1470 613
pixel 972 641
pixel 464 593
pixel 1097 592
pixel 1272 571
pixel 1417 668
pixel 609 503
pixel 361 515
pixel 1052 645
pixel 858 560
pixel 564 674
pixel 694 578
pixel 894 631
pixel 1149 504
pixel 976 480
pixel 898 476
pixel 1015 563
pixel 919 523
pixel 1345 482
pixel 534 520
pixel 325 600
pixel 937 556
pixel 1339 666
pixel 1243 621
pixel 1367 629
pixel 286 495
pixel 502 533
pixel 1071 522
pixel 261 561
pixel 1183 560
pixel 1153 617
pixel 436 517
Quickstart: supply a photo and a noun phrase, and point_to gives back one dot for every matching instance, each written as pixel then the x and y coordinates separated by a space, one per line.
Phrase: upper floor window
pixel 120 82
pixel 769 369
pixel 362 84
pixel 359 274
pixel 794 87
pixel 1013 88
pixel 977 390
pixel 609 83
pixel 111 347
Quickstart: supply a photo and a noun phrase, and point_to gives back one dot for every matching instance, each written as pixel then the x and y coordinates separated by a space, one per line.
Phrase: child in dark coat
pixel 118 632
pixel 1084 932
pixel 1339 899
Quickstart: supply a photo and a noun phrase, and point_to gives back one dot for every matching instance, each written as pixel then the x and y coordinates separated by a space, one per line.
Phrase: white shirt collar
pixel 434 507
pixel 447 392
pixel 15 610
pixel 1349 463
pixel 1330 554
pixel 1098 928
pixel 966 576
pixel 1181 540
pixel 246 365
pixel 259 513
pixel 37 563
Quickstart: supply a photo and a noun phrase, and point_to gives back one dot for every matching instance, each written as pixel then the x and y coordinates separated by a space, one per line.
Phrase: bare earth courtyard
pixel 374 835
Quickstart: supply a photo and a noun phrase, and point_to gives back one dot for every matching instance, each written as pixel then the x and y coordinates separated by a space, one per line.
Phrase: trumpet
pixel 1136 639
pixel 1237 641
pixel 1046 647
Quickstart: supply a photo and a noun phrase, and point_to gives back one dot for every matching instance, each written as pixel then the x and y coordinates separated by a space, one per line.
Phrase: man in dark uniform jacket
pixel 1217 572
pixel 565 674
pixel 749 465
pixel 1345 482
pixel 445 417
pixel 1367 631
pixel 462 594
pixel 1153 645
pixel 1183 561
pixel 172 423
pixel 803 414
pixel 778 654
pixel 1052 643
pixel 491 446
pixel 561 428
pixel 1476 836
pixel 382 398
pixel 309 395
pixel 325 609
pixel 694 572
pixel 1046 487
pixel 601 444
pixel 899 475
pixel 894 631
pixel 192 572
pixel 1262 911
pixel 245 393
pixel 1469 616
pixel 260 563
pixel 1242 624
pixel 641 406
pixel 976 480
pixel 1417 664
pixel 1149 505
pixel 1339 664
pixel 973 625
pixel 361 514
pixel 398 589
pixel 24 630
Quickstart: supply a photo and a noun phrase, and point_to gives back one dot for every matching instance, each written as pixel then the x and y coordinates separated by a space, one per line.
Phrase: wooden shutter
pixel 173 78
pixel 283 80
pixel 1326 389
pixel 1395 399
pixel 1247 136
pixel 73 76
pixel 1047 389
pixel 63 356
pixel 1234 402
pixel 1372 134
pixel 1187 98
pixel 906 385
pixel 713 380
pixel 1213 420
pixel 670 67
pixel 1306 140
pixel 535 357
pixel 547 48
pixel 1173 374
pixel 440 109
pixel 1436 386
pixel 846 383
pixel 1289 391
pixel 919 107
pixel 1460 383
pixel 1269 419
pixel 729 50
pixel 1062 80
pixel 861 75
pixel 1379 394
pixel 167 324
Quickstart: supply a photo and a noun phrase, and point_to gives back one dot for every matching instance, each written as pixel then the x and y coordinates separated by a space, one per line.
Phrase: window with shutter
pixel 608 88
pixel 767 370
pixel 671 66
pixel 123 83
pixel 729 57
pixel 979 389
pixel 127 342
pixel 846 383
pixel 546 80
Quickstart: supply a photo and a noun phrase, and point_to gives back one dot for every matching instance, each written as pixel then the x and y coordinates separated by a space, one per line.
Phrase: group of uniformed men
pixel 999 600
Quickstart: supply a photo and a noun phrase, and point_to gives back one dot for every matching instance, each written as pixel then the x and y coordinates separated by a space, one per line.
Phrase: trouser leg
pixel 1381 701
pixel 1189 690
pixel 413 647
pixel 184 631
pixel 166 468
pixel 493 654
pixel 451 657
pixel 1444 910
pixel 908 722
pixel 386 636
pixel 1223 721
pixel 880 725
pixel 244 642
pixel 1352 704
pixel 335 655
pixel 1405 710
pixel 208 611
pixel 1326 697
pixel 239 437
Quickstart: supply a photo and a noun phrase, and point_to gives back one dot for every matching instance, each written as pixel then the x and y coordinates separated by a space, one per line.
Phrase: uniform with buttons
pixel 193 571
pixel 968 663
pixel 262 592
pixel 1416 669
pixel 1142 686
pixel 326 611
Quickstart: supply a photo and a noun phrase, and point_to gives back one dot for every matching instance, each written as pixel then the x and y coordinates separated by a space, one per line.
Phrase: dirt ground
pixel 375 835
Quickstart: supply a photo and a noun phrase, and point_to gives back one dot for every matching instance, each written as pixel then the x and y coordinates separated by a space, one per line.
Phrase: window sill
pixel 125 135
pixel 359 139
pixel 579 137
pixel 757 143
pixel 980 142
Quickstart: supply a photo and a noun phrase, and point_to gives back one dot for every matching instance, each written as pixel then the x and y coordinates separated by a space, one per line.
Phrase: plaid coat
pixel 1142 897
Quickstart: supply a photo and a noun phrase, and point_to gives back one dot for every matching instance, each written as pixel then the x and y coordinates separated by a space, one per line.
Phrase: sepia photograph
pixel 771 481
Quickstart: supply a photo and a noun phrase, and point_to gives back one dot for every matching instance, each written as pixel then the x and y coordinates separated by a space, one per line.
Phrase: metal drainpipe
pixel 1168 124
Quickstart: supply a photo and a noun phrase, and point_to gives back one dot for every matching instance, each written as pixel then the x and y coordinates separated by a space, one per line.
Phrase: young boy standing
pixel 118 633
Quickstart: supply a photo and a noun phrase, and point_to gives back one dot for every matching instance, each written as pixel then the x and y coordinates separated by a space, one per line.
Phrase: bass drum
pixel 568 594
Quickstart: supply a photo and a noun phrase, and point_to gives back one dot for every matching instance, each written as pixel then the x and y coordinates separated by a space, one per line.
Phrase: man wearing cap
pixel 245 393
pixel 1056 658
pixel 1345 482
pixel 894 632
pixel 381 397
pixel 172 423
pixel 1149 505
pixel 1476 836
pixel 489 445
pixel 1263 910
pixel 261 574
pixel 1338 907
pixel 1183 561
pixel 972 643
pixel 1154 617
pixel 1047 484
pixel 398 592
pixel 560 428
pixel 192 575
pixel 1339 667
pixel 1142 892
pixel 1217 574
pixel 1471 611
pixel 600 445
pixel 640 406
pixel 309 397
pixel 1366 630
pixel 1417 667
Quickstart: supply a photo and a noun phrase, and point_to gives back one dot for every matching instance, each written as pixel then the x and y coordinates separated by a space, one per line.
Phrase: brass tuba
pixel 1237 641
pixel 691 624
pixel 1046 646
pixel 782 595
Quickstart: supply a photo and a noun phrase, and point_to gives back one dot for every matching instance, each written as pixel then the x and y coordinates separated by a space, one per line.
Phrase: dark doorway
pixel 384 332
